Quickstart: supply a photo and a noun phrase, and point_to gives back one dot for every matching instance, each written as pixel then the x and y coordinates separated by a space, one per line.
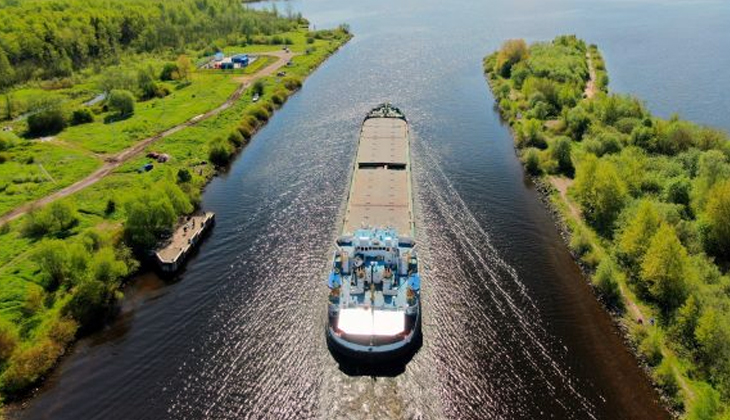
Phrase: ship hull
pixel 352 351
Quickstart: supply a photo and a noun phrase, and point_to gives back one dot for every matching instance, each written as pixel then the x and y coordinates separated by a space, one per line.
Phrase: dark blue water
pixel 511 330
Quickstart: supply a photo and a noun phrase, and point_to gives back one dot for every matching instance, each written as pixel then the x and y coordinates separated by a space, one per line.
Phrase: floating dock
pixel 172 256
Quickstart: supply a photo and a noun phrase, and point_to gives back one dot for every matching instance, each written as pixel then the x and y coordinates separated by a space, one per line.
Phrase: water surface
pixel 511 330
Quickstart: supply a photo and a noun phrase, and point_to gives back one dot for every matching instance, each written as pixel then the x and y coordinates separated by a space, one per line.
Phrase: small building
pixel 218 56
pixel 241 59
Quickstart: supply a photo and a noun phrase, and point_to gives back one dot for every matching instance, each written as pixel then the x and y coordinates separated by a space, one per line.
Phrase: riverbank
pixel 633 198
pixel 104 209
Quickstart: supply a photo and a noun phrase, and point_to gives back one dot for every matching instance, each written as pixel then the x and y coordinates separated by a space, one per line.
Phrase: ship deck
pixel 380 195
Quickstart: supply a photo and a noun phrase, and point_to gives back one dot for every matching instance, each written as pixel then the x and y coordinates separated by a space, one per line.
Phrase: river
pixel 511 329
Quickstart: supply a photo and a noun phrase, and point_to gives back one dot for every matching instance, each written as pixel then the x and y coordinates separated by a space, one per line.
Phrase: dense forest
pixel 654 206
pixel 53 38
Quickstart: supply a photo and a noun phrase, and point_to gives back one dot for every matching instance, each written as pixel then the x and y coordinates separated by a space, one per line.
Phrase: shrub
pixel 169 72
pixel 236 138
pixel 26 366
pixel 532 161
pixel 278 98
pixel 529 134
pixel 4 157
pixel 56 218
pixel 651 348
pixel 607 284
pixel 183 176
pixel 219 151
pixel 512 52
pixel 82 116
pixel 580 243
pixel 121 101
pixel 8 340
pixel 111 207
pixel 47 122
pixel 7 140
pixel 258 87
pixel 666 379
pixel 245 130
pixel 560 151
pixel 292 82
pixel 260 113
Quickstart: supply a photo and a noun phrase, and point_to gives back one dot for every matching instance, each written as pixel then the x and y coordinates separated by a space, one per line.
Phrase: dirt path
pixel 115 161
pixel 591 88
pixel 562 184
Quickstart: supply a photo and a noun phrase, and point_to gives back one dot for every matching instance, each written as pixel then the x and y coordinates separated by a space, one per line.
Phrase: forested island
pixel 82 83
pixel 646 201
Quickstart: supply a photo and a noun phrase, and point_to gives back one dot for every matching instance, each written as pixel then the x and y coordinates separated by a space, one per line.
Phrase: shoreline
pixel 549 195
pixel 17 403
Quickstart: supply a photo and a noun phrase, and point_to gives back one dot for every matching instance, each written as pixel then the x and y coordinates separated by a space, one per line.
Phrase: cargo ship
pixel 374 308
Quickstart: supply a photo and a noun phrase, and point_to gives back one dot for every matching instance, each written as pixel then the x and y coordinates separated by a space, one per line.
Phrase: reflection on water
pixel 510 328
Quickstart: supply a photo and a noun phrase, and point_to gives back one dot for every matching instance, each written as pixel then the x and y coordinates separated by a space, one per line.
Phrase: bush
pixel 260 113
pixel 8 340
pixel 47 122
pixel 512 52
pixel 580 243
pixel 532 161
pixel 245 130
pixel 258 87
pixel 183 176
pixel 236 138
pixel 560 151
pixel 278 98
pixel 219 151
pixel 121 101
pixel 56 218
pixel 7 140
pixel 169 72
pixel 666 379
pixel 607 284
pixel 292 82
pixel 82 116
pixel 111 207
pixel 651 348
pixel 27 366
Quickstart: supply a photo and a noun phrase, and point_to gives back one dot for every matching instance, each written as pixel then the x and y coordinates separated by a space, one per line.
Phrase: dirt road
pixel 120 158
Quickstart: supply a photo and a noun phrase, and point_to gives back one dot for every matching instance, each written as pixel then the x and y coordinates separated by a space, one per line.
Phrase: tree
pixel 578 122
pixel 7 73
pixel 82 116
pixel 121 101
pixel 56 219
pixel 560 151
pixel 711 167
pixel 717 218
pixel 149 216
pixel 258 88
pixel 607 284
pixel 600 191
pixel 220 151
pixel 169 72
pixel 512 52
pixel 713 339
pixel 634 239
pixel 183 67
pixel 51 257
pixel 47 122
pixel 666 270
pixel 183 176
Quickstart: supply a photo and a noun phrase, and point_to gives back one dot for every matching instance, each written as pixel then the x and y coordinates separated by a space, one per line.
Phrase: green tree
pixel 711 167
pixel 149 216
pixel 634 239
pixel 578 121
pixel 512 52
pixel 666 270
pixel 607 282
pixel 169 72
pixel 47 122
pixel 183 67
pixel 51 257
pixel 7 73
pixel 600 191
pixel 220 151
pixel 713 340
pixel 121 101
pixel 717 218
pixel 560 151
